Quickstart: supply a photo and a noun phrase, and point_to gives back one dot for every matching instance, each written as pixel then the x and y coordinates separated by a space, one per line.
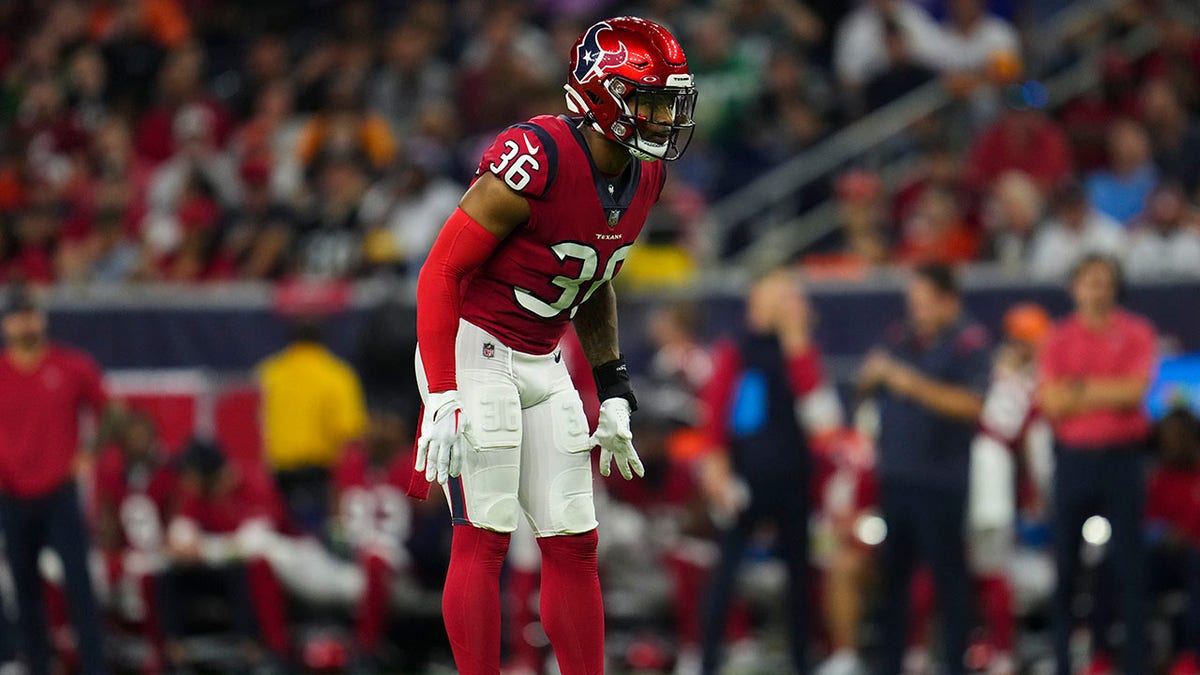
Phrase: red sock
pixel 572 610
pixel 522 587
pixel 996 596
pixel 269 608
pixel 373 610
pixel 471 599
pixel 152 626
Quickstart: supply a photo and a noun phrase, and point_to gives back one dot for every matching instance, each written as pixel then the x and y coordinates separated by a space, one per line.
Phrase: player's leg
pixel 483 499
pixel 990 552
pixel 556 493
pixel 377 573
pixel 270 607
pixel 67 536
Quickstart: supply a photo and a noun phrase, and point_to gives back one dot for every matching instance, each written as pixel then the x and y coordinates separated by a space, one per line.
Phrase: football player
pixel 533 245
pixel 135 497
pixel 374 519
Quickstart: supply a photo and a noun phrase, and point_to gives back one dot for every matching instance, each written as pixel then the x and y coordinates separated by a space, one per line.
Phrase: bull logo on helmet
pixel 591 60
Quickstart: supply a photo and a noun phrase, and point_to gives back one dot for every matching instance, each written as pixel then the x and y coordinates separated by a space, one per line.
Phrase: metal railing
pixel 757 204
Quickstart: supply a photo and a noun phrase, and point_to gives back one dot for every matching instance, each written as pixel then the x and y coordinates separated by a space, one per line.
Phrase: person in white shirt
pixel 971 38
pixel 1077 229
pixel 1166 243
pixel 859 46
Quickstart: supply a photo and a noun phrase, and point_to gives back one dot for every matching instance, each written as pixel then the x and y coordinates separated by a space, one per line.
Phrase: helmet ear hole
pixel 593 97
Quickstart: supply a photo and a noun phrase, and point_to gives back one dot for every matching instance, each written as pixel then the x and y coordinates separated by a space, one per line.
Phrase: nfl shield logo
pixel 613 217
pixel 489 350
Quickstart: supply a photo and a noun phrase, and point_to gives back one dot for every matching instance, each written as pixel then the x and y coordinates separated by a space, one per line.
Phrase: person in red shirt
pixel 1173 527
pixel 43 389
pixel 1024 139
pixel 225 512
pixel 374 519
pixel 135 490
pixel 1093 375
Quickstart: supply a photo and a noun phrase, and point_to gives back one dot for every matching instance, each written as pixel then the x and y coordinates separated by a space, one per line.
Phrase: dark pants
pixel 1177 568
pixel 306 495
pixel 54 521
pixel 924 525
pixel 786 506
pixel 1108 483
pixel 179 587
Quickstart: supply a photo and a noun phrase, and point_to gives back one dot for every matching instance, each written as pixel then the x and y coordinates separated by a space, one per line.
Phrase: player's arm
pixel 487 213
pixel 596 324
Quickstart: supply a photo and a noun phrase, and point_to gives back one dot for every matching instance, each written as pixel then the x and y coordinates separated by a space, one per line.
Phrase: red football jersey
pixel 141 496
pixel 581 225
pixel 371 499
pixel 252 495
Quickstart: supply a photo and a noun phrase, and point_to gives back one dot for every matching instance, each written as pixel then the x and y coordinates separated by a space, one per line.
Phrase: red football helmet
pixel 630 80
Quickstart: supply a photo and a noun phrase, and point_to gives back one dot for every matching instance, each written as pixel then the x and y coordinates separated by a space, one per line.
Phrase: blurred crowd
pixel 197 140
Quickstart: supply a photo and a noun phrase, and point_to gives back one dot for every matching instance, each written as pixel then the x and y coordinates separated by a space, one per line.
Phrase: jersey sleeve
pixel 525 157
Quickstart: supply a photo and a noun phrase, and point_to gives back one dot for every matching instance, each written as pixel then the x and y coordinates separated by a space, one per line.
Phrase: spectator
pixel 1174 134
pixel 312 406
pixel 734 78
pixel 1012 215
pixel 272 135
pixel 1086 119
pixel 136 491
pixel 902 74
pixel 410 77
pixel 44 387
pixel 187 191
pixel 329 241
pixel 768 404
pixel 939 166
pixel 972 38
pixel 1173 528
pixel 344 129
pixel 1075 230
pixel 1121 189
pixel 1023 139
pixel 502 69
pixel 180 88
pixel 223 510
pixel 937 231
pixel 929 378
pixel 406 209
pixel 859 49
pixel 374 521
pixel 254 239
pixel 1094 372
pixel 860 243
pixel 1165 242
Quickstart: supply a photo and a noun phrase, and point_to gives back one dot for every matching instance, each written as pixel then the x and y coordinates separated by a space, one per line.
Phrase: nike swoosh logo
pixel 533 149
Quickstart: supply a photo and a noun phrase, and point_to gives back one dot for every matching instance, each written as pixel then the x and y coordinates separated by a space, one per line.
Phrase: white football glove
pixel 616 440
pixel 440 448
